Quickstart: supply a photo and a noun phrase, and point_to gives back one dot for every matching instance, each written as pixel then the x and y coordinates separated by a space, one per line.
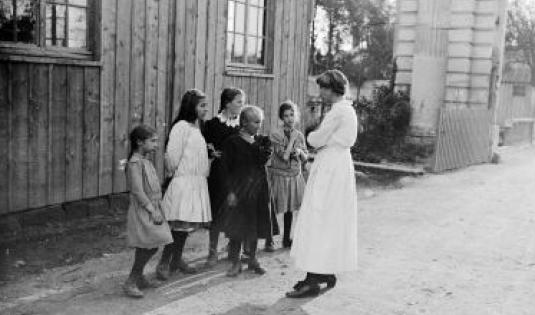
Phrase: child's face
pixel 288 117
pixel 202 109
pixel 149 145
pixel 253 124
pixel 234 107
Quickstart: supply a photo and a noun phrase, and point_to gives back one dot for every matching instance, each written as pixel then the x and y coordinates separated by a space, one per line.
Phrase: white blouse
pixel 338 129
pixel 186 152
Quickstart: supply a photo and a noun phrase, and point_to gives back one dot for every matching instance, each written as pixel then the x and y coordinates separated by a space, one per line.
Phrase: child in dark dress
pixel 246 213
pixel 215 132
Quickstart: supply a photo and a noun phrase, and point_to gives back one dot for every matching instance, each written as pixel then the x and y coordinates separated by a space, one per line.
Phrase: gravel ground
pixel 457 243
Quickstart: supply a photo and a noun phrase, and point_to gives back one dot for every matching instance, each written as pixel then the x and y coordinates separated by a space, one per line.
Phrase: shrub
pixel 384 123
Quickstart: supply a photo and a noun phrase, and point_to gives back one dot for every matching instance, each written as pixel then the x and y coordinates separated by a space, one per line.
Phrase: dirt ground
pixel 462 242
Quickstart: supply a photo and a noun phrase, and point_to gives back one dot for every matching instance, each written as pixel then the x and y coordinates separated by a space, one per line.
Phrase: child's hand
pixel 232 200
pixel 156 217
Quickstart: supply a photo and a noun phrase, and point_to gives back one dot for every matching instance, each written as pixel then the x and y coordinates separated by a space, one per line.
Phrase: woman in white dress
pixel 186 203
pixel 325 237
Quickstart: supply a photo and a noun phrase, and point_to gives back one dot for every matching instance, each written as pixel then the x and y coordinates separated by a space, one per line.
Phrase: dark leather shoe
pixel 299 284
pixel 331 281
pixel 269 248
pixel 286 243
pixel 235 270
pixel 304 291
pixel 256 268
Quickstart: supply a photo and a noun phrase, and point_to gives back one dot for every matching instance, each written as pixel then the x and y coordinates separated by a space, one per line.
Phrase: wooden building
pixel 76 75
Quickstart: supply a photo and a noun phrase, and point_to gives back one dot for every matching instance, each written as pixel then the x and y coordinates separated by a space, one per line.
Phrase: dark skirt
pixel 252 217
pixel 216 191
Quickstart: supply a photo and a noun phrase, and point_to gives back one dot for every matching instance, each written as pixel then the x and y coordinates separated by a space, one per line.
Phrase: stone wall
pixel 448 54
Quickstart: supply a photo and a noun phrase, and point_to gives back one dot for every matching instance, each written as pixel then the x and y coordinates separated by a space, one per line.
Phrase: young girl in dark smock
pixel 216 131
pixel 246 215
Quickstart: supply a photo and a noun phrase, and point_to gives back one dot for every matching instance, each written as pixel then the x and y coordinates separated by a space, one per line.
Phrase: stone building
pixel 448 54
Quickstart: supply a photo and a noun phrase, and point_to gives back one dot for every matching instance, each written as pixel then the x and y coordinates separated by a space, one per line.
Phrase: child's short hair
pixel 334 80
pixel 288 105
pixel 246 110
pixel 139 133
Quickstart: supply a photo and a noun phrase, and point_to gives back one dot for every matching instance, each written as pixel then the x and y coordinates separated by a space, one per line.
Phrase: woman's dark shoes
pixel 299 284
pixel 286 243
pixel 331 281
pixel 304 290
pixel 234 270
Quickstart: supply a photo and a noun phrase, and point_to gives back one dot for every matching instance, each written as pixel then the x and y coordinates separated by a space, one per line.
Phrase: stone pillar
pixel 429 66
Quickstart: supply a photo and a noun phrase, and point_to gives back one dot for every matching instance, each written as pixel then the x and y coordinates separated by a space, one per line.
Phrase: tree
pixel 520 34
pixel 369 25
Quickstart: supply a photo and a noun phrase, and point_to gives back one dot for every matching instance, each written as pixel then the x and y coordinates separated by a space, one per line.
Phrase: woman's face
pixel 288 118
pixel 202 109
pixel 326 94
pixel 234 107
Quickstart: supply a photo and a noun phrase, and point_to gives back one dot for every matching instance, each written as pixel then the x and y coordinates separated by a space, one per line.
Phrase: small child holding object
pixel 286 176
pixel 246 215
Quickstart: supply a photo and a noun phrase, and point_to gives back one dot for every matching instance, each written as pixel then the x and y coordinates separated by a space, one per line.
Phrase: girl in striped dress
pixel 287 181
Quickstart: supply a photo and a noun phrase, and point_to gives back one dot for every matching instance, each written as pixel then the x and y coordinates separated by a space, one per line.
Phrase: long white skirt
pixel 325 236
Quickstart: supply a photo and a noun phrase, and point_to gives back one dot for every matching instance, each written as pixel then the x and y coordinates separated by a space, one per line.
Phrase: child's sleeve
pixel 277 144
pixel 135 175
pixel 301 144
pixel 226 165
pixel 175 147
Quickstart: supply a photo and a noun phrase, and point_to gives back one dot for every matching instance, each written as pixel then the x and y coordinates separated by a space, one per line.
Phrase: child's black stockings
pixel 142 256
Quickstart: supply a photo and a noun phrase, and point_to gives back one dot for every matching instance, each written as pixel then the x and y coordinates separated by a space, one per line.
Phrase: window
pixel 52 24
pixel 519 90
pixel 249 39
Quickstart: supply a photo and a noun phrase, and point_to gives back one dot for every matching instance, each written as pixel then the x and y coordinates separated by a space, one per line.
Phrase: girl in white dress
pixel 325 237
pixel 186 203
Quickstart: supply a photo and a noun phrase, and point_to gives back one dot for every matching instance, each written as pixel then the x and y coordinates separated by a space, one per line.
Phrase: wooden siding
pixel 64 124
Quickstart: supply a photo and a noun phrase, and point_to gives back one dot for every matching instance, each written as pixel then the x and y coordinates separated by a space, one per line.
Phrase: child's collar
pixel 247 137
pixel 227 120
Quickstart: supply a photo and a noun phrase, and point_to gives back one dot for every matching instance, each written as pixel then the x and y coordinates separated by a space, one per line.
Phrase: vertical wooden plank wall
pixel 67 126
pixel 137 67
pixel 107 97
pixel 58 124
pixel 200 36
pixel 5 129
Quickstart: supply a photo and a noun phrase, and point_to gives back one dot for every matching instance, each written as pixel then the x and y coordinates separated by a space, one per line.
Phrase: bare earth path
pixel 456 243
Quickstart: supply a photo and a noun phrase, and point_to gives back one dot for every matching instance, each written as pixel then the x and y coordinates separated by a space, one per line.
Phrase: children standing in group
pixel 287 181
pixel 246 215
pixel 186 203
pixel 146 228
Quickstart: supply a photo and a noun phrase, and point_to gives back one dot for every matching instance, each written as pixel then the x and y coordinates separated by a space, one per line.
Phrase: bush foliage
pixel 384 123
